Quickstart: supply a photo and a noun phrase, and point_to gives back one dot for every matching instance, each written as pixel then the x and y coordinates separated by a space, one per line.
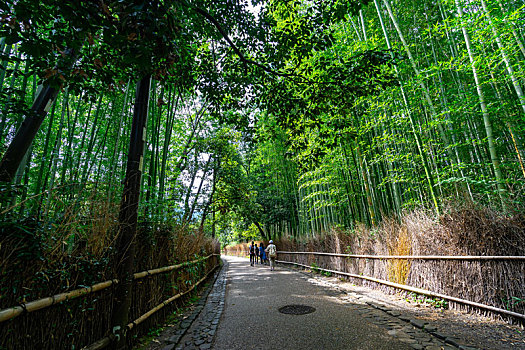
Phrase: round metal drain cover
pixel 296 309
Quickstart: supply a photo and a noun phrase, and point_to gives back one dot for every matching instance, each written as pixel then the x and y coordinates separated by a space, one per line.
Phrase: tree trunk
pixel 114 158
pixel 55 154
pixel 24 137
pixel 128 215
pixel 26 133
pixel 210 200
pixel 189 215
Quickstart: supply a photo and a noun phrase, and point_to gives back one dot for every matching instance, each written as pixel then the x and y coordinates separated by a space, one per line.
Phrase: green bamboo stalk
pixel 486 118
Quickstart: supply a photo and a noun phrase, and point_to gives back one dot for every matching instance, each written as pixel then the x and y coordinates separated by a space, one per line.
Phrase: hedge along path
pixel 106 341
pixel 414 289
pixel 39 304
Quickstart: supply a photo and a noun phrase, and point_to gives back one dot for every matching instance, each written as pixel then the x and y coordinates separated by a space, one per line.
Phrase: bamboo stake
pixel 143 274
pixel 418 290
pixel 167 301
pixel 15 311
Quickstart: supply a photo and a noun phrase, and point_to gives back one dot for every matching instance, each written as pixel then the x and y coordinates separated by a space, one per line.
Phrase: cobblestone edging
pixel 420 335
pixel 198 330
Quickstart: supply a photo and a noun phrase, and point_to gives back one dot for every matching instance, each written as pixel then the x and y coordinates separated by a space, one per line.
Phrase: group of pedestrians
pixel 260 255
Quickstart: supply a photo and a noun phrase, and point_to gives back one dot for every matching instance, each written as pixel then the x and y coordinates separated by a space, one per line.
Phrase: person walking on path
pixel 256 254
pixel 252 254
pixel 272 253
pixel 262 253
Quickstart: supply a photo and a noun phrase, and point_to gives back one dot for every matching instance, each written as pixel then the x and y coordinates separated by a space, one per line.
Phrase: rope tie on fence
pixel 24 308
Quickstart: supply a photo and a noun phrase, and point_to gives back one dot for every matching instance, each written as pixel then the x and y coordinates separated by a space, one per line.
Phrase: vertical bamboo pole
pixel 486 118
pixel 30 126
pixel 506 59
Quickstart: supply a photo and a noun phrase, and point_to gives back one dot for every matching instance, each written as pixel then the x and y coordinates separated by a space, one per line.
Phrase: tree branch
pixel 234 47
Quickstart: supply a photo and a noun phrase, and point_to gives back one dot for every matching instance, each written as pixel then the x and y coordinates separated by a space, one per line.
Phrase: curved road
pixel 251 319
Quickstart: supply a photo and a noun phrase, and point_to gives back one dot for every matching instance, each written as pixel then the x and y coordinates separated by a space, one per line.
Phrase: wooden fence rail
pixel 412 257
pixel 35 305
pixel 405 257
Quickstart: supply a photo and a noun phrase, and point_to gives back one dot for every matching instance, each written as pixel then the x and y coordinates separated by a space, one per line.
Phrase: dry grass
pixel 399 243
pixel 241 249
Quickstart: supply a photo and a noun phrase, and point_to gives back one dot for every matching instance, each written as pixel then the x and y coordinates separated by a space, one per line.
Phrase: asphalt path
pixel 251 317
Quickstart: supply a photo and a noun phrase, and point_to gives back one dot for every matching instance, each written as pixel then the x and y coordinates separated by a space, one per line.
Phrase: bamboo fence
pixel 412 257
pixel 105 342
pixel 39 304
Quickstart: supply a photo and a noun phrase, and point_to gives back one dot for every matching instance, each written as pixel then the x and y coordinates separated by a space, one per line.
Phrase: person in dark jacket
pixel 262 254
pixel 252 253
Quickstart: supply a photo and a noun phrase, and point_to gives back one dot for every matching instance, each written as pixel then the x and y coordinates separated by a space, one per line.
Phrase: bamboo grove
pixel 124 122
pixel 449 132
pixel 289 117
pixel 442 121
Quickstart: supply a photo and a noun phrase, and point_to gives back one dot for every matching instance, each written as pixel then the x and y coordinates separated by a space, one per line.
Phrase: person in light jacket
pixel 272 254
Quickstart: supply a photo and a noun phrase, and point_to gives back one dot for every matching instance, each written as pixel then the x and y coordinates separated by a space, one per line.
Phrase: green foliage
pixel 294 119
pixel 437 303
pixel 512 302
pixel 315 269
pixel 345 137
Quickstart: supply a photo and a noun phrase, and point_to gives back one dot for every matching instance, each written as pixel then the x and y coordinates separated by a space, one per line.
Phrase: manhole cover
pixel 296 309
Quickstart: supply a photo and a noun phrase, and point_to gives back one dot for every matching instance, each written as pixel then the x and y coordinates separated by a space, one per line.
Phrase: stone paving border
pixel 414 329
pixel 175 335
pixel 198 330
pixel 420 335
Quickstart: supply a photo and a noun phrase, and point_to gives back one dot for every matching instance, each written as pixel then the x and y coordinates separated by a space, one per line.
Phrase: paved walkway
pixel 251 319
pixel 241 311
